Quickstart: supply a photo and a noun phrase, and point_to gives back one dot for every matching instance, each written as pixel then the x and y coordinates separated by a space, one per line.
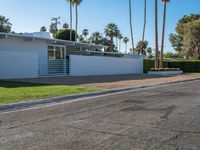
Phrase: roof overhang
pixel 51 41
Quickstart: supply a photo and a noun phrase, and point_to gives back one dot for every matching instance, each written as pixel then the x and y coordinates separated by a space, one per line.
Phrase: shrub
pixel 64 34
pixel 185 65
pixel 148 64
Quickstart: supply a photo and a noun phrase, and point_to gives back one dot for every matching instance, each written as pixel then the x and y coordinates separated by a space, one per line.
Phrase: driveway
pixel 166 117
pixel 112 81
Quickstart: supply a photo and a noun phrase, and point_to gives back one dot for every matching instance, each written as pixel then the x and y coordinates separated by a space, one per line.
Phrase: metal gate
pixel 48 68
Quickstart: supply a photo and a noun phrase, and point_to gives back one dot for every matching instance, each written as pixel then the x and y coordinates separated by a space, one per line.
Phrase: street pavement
pixel 164 118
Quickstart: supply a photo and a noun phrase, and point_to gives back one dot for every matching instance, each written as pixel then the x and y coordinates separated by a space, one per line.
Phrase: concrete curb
pixel 56 100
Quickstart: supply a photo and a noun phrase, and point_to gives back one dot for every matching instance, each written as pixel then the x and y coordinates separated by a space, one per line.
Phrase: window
pixel 55 52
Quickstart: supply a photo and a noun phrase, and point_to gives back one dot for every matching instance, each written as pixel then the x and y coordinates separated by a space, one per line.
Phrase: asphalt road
pixel 166 117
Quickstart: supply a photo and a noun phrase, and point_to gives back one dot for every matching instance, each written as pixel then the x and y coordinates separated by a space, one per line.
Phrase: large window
pixel 55 52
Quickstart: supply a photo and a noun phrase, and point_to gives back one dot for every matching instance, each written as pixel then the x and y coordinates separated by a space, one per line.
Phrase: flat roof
pixel 52 41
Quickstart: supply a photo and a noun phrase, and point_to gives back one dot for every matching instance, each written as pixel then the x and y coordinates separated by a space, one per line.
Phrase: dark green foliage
pixel 148 64
pixel 5 25
pixel 185 65
pixel 43 29
pixel 187 40
pixel 171 55
pixel 142 48
pixel 64 34
pixel 96 38
pixel 65 26
pixel 176 41
pixel 185 20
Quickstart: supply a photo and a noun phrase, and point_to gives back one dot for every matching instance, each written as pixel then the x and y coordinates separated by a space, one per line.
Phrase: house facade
pixel 33 56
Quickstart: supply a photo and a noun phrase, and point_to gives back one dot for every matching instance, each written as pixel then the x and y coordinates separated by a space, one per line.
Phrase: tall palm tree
pixel 85 32
pixel 156 34
pixel 131 26
pixel 144 27
pixel 163 32
pixel 120 40
pixel 110 31
pixel 5 25
pixel 126 40
pixel 77 2
pixel 71 2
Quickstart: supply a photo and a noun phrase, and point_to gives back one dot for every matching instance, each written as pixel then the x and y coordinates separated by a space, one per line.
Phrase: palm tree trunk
pixel 163 35
pixel 125 48
pixel 119 45
pixel 156 33
pixel 111 44
pixel 76 22
pixel 144 27
pixel 131 26
pixel 70 21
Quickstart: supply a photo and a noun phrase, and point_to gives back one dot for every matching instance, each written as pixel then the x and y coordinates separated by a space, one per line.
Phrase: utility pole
pixel 55 22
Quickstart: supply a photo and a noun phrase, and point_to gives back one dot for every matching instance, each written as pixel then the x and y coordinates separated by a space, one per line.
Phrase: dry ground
pixel 113 81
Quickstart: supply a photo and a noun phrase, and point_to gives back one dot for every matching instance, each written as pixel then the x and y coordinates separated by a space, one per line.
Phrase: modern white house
pixel 37 55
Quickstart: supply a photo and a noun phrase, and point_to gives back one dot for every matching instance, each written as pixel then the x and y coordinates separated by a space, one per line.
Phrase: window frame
pixel 62 52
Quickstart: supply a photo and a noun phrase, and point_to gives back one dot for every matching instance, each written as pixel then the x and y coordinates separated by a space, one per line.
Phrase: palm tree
pixel 144 27
pixel 120 39
pixel 131 26
pixel 81 39
pixel 77 2
pixel 111 31
pixel 43 29
pixel 85 32
pixel 71 5
pixel 126 40
pixel 163 32
pixel 156 34
pixel 65 26
pixel 96 38
pixel 5 25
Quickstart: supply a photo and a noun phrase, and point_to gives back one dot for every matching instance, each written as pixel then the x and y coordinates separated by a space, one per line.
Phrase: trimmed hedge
pixel 185 65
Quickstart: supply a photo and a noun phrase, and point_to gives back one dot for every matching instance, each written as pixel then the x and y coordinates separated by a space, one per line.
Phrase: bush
pixel 185 65
pixel 64 34
pixel 148 64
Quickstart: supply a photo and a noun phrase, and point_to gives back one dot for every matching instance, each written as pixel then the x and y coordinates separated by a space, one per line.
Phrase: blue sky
pixel 30 15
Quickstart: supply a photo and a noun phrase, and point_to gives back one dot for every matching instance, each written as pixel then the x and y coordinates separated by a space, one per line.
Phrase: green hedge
pixel 185 65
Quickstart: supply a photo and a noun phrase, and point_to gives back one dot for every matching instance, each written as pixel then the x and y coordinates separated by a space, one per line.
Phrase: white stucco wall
pixel 19 45
pixel 14 65
pixel 97 65
pixel 16 44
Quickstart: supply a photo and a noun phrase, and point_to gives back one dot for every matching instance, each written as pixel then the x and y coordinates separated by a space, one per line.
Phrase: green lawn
pixel 16 91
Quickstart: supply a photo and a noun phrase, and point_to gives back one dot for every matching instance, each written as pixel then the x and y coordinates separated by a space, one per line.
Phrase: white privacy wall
pixel 14 65
pixel 97 65
pixel 17 45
